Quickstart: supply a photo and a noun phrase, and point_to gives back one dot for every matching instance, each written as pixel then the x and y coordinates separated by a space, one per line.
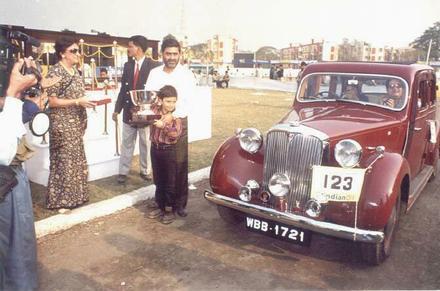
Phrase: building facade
pixel 223 49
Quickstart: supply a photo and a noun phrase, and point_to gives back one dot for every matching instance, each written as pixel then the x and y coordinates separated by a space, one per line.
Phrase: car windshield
pixel 378 90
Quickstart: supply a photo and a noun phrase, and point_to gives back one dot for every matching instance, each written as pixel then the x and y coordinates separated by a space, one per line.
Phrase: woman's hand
pixel 84 102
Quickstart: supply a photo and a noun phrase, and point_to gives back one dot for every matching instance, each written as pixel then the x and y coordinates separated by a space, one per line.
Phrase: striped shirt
pixel 167 135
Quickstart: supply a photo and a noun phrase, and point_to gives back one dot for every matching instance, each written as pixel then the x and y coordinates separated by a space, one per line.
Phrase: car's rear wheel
pixel 229 215
pixel 375 254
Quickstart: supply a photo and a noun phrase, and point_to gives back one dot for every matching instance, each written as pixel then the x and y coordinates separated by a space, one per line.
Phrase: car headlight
pixel 279 184
pixel 250 140
pixel 348 153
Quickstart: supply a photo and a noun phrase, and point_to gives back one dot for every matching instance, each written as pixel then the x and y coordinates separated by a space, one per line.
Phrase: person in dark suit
pixel 134 77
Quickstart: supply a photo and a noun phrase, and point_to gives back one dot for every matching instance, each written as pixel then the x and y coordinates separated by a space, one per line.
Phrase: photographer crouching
pixel 18 260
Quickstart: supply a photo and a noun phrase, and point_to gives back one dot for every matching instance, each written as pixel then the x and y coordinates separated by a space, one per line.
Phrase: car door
pixel 418 135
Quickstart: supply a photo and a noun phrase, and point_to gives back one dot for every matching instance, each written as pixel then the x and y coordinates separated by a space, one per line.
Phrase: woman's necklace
pixel 70 71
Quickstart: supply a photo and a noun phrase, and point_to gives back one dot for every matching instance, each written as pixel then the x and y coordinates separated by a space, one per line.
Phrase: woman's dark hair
pixel 169 42
pixel 167 91
pixel 62 44
pixel 139 41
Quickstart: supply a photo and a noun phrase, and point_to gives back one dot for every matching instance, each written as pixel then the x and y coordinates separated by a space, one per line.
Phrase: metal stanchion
pixel 117 137
pixel 43 141
pixel 105 120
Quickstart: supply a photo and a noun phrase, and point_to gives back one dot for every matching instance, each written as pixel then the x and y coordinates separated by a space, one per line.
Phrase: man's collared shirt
pixel 139 63
pixel 181 79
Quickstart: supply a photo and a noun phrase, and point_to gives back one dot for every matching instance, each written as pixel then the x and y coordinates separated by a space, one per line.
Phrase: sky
pixel 254 23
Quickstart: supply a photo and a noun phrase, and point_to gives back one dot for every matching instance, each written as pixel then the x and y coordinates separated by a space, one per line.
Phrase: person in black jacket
pixel 134 77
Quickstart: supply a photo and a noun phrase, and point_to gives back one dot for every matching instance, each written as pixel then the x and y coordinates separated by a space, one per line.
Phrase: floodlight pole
pixel 429 51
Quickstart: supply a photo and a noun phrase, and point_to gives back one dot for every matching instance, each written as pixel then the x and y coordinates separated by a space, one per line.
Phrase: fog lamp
pixel 246 192
pixel 279 184
pixel 313 208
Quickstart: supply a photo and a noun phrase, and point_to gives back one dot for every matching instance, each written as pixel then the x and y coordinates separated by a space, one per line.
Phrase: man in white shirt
pixel 181 78
pixel 134 76
pixel 18 261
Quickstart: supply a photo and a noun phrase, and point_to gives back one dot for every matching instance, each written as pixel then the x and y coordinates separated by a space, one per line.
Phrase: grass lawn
pixel 231 109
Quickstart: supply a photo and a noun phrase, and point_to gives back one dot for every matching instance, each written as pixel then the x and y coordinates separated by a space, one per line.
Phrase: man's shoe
pixel 182 212
pixel 167 218
pixel 156 213
pixel 122 179
pixel 151 204
pixel 146 177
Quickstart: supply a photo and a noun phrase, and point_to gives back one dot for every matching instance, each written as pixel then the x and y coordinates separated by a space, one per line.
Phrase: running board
pixel 418 184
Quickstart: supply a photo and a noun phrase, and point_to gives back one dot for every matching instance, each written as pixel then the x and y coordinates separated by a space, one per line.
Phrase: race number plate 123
pixel 337 184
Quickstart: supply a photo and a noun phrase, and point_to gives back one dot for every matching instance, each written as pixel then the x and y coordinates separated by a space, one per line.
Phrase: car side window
pixel 423 94
pixel 432 92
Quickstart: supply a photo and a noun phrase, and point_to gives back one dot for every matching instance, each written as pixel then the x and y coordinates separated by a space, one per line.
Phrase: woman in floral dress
pixel 67 186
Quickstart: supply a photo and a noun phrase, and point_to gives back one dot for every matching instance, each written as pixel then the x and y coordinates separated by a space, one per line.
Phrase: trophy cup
pixel 141 113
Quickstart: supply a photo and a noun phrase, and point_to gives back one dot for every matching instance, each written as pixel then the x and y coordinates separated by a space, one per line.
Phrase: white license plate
pixel 278 230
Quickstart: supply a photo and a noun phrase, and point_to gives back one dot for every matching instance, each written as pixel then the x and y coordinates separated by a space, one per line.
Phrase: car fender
pixel 382 184
pixel 232 167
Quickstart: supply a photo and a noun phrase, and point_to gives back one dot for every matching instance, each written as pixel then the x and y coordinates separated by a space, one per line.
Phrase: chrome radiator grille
pixel 293 154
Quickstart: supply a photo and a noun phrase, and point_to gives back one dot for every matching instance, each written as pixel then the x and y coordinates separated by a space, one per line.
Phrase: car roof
pixel 406 71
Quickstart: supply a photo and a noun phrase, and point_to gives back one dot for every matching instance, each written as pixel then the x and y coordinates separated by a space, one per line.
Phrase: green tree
pixel 268 53
pixel 422 43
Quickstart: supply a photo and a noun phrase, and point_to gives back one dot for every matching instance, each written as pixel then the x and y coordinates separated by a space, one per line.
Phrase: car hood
pixel 342 120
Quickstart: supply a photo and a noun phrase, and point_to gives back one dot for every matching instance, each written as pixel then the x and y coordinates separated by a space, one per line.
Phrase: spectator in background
pixel 272 72
pixel 302 66
pixel 280 73
pixel 226 79
pixel 103 73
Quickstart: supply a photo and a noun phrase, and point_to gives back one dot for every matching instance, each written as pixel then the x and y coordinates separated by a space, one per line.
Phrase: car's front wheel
pixel 375 254
pixel 229 215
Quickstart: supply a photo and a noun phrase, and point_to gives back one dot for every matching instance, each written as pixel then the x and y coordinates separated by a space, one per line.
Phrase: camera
pixel 11 49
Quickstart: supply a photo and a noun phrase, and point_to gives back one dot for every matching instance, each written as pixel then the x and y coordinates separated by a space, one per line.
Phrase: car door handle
pixel 417 129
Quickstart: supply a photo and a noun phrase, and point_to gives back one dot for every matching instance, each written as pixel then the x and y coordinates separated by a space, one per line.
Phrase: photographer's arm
pixel 19 82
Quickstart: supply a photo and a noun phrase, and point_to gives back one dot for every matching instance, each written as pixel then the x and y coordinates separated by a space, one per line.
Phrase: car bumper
pixel 331 229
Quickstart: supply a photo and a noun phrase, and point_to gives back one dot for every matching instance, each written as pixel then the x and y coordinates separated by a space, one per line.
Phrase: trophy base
pixel 143 120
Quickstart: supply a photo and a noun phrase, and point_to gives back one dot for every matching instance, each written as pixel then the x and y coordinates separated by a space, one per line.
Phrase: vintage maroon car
pixel 355 151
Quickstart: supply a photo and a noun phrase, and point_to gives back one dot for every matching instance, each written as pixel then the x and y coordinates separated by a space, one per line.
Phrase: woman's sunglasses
pixel 74 51
pixel 392 86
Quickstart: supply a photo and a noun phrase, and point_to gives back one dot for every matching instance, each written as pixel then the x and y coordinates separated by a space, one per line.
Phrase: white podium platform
pixel 100 143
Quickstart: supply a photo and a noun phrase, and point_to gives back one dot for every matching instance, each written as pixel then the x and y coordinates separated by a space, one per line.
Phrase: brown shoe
pixel 122 179
pixel 156 213
pixel 167 218
pixel 182 212
pixel 151 204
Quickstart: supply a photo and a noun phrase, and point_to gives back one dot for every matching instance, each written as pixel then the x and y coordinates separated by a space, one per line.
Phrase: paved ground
pixel 127 251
